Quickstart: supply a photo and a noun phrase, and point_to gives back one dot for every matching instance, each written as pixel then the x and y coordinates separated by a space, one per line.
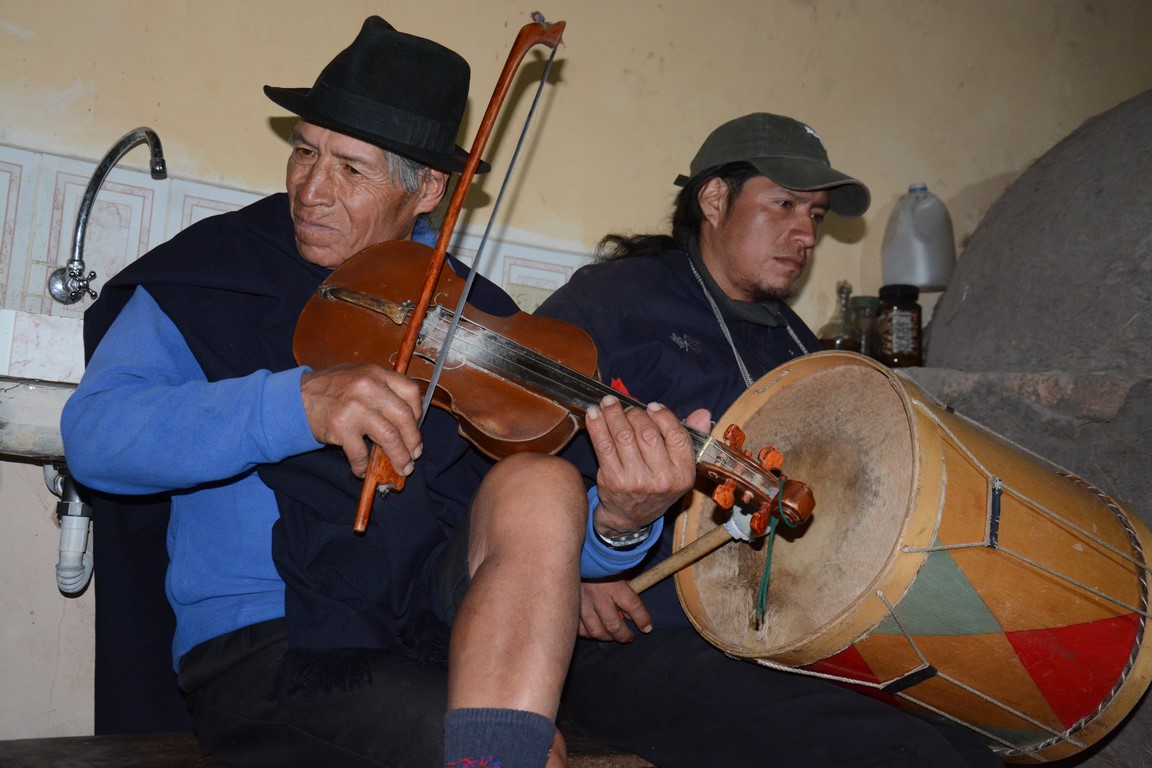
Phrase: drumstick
pixel 682 558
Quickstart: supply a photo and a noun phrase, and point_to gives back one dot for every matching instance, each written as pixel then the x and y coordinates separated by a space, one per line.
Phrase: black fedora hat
pixel 397 91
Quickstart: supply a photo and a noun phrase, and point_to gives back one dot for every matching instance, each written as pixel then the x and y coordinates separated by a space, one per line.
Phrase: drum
pixel 944 569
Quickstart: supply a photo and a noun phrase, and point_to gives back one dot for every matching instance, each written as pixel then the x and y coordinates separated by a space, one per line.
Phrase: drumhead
pixel 846 429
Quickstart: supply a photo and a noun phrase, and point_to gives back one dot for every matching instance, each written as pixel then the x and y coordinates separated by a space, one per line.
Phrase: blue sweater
pixel 167 428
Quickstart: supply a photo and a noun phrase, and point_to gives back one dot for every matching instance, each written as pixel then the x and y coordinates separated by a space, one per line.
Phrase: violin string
pixel 563 381
pixel 507 354
pixel 573 387
pixel 478 258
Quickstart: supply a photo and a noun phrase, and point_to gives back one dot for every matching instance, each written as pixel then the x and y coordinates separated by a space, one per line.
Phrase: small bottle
pixel 865 310
pixel 840 330
pixel 898 326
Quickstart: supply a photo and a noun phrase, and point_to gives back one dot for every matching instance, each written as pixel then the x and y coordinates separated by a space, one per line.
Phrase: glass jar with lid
pixel 898 326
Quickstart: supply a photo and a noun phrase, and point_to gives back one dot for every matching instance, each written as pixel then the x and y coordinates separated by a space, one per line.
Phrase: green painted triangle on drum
pixel 1021 740
pixel 941 601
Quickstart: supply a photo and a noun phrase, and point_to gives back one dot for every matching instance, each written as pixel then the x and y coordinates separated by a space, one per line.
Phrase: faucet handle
pixel 68 285
pixel 80 285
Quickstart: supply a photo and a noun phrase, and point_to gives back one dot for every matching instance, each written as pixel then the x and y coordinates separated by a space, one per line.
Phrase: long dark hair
pixel 686 216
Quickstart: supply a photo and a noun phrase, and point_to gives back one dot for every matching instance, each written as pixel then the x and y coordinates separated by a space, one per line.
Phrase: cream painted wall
pixel 45 639
pixel 961 95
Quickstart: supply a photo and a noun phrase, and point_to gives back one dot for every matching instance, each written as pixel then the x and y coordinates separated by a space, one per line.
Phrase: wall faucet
pixel 68 284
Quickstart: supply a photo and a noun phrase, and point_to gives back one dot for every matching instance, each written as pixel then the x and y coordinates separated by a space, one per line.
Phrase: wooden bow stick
pixel 381 476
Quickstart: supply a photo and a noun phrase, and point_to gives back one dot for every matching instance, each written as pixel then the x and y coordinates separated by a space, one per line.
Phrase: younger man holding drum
pixel 691 320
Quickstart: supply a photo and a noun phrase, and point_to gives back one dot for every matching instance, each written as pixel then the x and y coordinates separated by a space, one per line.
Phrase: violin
pixel 518 383
pixel 495 378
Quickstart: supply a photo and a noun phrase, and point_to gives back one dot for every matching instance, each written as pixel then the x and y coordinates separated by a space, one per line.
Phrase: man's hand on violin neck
pixel 348 403
pixel 647 462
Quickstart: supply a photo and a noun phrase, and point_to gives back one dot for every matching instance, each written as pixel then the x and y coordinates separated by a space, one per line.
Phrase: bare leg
pixel 515 629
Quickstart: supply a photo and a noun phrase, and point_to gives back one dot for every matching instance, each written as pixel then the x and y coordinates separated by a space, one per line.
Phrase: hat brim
pixel 295 101
pixel 847 197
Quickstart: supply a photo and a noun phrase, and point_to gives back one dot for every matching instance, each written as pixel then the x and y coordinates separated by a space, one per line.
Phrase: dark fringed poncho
pixel 235 285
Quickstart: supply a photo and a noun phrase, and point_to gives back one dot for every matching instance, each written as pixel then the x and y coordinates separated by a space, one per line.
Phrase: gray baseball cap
pixel 786 151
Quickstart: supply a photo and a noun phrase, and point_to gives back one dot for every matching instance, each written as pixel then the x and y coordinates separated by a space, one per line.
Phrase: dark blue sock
pixel 496 738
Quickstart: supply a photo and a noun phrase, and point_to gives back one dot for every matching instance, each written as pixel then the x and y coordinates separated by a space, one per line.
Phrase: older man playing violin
pixel 298 642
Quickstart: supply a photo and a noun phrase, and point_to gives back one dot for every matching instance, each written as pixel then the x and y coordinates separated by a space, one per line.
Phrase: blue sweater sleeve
pixel 598 560
pixel 144 418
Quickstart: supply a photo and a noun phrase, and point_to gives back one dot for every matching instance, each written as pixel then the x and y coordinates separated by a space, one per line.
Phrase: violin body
pixel 361 313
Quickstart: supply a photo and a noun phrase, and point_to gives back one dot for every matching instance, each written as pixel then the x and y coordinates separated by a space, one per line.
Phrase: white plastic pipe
pixel 74 566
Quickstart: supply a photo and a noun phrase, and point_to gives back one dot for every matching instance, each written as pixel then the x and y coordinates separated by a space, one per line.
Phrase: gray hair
pixel 406 172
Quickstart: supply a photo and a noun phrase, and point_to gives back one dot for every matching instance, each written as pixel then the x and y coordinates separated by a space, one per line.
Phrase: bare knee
pixel 534 479
pixel 530 500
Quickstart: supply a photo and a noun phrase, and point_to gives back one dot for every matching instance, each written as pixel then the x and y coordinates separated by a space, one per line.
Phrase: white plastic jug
pixel 918 248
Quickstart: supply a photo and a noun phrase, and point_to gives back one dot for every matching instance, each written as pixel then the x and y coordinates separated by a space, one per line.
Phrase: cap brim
pixel 847 196
pixel 295 100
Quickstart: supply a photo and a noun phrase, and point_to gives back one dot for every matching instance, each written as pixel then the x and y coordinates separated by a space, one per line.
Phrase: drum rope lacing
pixel 997 489
pixel 892 687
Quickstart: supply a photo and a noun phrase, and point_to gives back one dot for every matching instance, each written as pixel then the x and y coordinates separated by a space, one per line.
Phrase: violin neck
pixel 483 348
pixel 499 355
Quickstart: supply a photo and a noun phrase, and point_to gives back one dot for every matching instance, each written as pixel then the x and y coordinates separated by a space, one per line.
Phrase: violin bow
pixel 381 477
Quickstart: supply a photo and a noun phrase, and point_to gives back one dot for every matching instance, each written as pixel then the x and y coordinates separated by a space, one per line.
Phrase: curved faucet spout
pixel 68 284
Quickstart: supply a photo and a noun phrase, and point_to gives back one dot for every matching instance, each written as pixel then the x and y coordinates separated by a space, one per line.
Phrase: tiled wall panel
pixel 40 195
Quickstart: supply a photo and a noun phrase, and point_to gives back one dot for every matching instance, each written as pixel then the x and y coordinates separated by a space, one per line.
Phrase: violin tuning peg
pixel 758 523
pixel 770 458
pixel 724 494
pixel 734 437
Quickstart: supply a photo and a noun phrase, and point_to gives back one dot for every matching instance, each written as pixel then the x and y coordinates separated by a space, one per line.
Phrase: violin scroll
pixel 758 485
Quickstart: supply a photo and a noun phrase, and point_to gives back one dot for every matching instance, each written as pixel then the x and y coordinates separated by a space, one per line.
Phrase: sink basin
pixel 30 417
pixel 41 358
